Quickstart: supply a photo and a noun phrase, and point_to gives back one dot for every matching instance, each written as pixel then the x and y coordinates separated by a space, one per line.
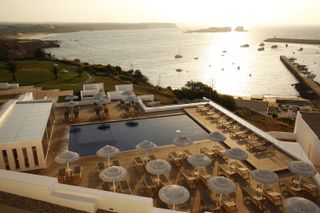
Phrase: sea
pixel 215 59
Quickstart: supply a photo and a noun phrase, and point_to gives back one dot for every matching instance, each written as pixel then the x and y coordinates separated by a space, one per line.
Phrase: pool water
pixel 86 139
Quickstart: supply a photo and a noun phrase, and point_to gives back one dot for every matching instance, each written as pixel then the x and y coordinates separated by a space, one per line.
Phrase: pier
pixel 294 41
pixel 303 79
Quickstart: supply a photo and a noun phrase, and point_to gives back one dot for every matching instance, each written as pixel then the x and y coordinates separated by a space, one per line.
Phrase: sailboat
pixel 178 55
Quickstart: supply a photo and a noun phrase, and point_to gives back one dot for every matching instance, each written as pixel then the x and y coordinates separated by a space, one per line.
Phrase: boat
pixel 224 51
pixel 261 44
pixel 245 45
pixel 179 70
pixel 300 49
pixel 274 46
pixel 178 55
pixel 196 58
pixel 261 49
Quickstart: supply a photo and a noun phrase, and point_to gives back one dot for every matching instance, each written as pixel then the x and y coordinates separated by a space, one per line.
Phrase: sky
pixel 190 12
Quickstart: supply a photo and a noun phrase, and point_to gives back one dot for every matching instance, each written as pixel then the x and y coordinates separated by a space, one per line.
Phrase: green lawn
pixel 37 73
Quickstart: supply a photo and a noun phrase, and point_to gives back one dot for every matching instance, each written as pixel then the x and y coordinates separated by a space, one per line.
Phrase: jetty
pixel 302 78
pixel 293 40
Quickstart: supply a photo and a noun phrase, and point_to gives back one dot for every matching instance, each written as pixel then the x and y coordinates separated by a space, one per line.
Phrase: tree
pixel 12 67
pixel 55 70
pixel 197 90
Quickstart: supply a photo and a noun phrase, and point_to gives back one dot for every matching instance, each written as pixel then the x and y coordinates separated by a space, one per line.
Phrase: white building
pixel 307 131
pixel 25 133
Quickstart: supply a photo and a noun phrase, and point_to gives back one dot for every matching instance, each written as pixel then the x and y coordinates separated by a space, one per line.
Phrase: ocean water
pixel 219 56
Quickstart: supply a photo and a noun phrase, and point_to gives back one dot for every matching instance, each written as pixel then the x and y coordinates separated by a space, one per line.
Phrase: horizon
pixel 205 12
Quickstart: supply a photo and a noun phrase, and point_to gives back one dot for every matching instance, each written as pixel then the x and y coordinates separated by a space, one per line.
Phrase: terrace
pixel 272 158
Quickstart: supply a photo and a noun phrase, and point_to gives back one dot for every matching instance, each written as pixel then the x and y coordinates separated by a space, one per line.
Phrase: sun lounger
pixel 309 187
pixel 164 180
pixel 244 173
pixel 250 194
pixel 115 163
pixel 106 186
pixel 61 176
pixel 152 157
pixel 150 185
pixel 139 163
pixel 125 187
pixel 176 158
pixel 100 167
pixel 204 176
pixel 273 197
pixel 207 152
pixel 186 153
pixel 77 175
pixel 287 186
pixel 224 170
pixel 189 178
pixel 208 204
pixel 229 205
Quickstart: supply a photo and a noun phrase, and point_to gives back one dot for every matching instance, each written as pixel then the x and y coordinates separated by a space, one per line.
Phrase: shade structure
pixel 236 154
pixel 221 185
pixel 198 160
pixel 71 104
pixel 146 146
pixel 302 168
pixel 131 98
pixel 217 136
pixel 264 176
pixel 112 174
pixel 100 95
pixel 174 194
pixel 101 101
pixel 158 167
pixel 66 157
pixel 107 152
pixel 182 141
pixel 301 205
pixel 71 97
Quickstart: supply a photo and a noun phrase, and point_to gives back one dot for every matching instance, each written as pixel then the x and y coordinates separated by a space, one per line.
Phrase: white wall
pixel 47 189
pixel 308 140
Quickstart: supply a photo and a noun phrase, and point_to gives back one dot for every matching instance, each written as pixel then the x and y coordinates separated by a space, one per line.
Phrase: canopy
pixel 264 176
pixel 217 136
pixel 221 185
pixel 302 168
pixel 102 101
pixel 237 154
pixel 71 104
pixel 198 160
pixel 66 157
pixel 174 194
pixel 71 97
pixel 182 141
pixel 301 205
pixel 113 173
pixel 146 146
pixel 158 167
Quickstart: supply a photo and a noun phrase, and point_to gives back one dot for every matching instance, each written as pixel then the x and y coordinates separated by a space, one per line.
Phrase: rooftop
pixel 27 121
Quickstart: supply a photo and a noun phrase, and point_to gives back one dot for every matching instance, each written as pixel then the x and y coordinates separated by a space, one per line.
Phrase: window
pixel 35 156
pixel 16 159
pixel 26 159
pixel 5 158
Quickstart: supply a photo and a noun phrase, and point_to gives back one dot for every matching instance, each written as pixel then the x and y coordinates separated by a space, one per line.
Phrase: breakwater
pixel 293 40
pixel 308 88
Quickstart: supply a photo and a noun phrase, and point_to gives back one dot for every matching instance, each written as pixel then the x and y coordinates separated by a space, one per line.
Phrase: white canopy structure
pixel 25 135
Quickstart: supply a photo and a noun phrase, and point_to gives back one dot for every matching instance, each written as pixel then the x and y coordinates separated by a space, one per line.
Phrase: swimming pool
pixel 86 139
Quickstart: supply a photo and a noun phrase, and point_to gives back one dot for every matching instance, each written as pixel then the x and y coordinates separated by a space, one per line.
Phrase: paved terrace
pixel 278 162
